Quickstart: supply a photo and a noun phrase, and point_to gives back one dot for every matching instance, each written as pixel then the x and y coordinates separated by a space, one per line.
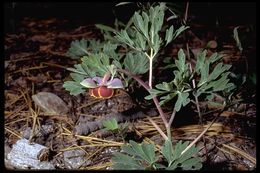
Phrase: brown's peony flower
pixel 100 87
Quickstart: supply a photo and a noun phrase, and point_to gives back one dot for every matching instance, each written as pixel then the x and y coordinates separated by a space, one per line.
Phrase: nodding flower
pixel 101 87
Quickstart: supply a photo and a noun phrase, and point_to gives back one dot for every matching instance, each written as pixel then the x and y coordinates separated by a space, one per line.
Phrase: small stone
pixel 50 103
pixel 74 159
pixel 29 156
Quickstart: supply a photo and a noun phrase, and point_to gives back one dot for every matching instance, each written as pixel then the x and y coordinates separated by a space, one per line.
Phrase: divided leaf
pixel 214 81
pixel 186 161
pixel 169 35
pixel 136 63
pixel 80 48
pixel 73 87
pixel 125 162
pixel 141 156
pixel 183 100
pixel 110 124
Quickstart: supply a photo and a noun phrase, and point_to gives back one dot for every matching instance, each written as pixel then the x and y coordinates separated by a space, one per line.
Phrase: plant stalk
pixel 150 72
pixel 155 100
pixel 151 68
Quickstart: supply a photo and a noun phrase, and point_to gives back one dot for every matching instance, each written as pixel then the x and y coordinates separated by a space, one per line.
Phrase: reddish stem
pixel 155 100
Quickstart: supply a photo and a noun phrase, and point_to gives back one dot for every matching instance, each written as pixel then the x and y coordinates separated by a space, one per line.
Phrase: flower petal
pixel 88 83
pixel 115 83
pixel 98 80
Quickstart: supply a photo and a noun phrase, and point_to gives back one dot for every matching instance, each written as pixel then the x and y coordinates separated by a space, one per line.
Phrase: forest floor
pixel 36 61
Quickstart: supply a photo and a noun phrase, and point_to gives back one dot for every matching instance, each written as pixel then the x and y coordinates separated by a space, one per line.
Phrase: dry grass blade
pixel 13 102
pixel 15 113
pixel 53 65
pixel 72 147
pixel 99 167
pixel 242 153
pixel 93 140
pixel 98 141
pixel 16 121
pixel 197 139
pixel 28 69
pixel 215 129
pixel 95 152
pixel 158 129
pixel 223 150
pixel 12 132
pixel 33 113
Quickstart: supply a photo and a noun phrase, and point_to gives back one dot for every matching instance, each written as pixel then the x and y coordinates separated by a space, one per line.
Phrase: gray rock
pixel 74 159
pixel 50 103
pixel 29 156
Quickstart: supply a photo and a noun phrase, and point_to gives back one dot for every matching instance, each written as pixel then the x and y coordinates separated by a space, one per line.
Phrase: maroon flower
pixel 100 87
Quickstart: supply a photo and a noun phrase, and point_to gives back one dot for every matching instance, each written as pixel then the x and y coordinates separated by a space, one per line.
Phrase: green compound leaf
pixel 105 27
pixel 179 31
pixel 169 35
pixel 80 48
pixel 73 87
pixel 110 124
pixel 183 100
pixel 77 77
pixel 136 63
pixel 138 156
pixel 97 63
pixel 214 81
pixel 164 86
pixel 180 63
pixel 186 161
pixel 167 151
pixel 125 162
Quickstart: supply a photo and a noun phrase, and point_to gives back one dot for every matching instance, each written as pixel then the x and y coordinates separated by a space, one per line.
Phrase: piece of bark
pixel 84 128
pixel 29 156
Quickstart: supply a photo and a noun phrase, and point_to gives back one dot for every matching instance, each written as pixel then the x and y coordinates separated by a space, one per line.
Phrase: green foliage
pixel 138 156
pixel 214 81
pixel 209 81
pixel 108 32
pixel 170 35
pixel 136 63
pixel 79 48
pixel 97 57
pixel 83 47
pixel 92 65
pixel 142 156
pixel 182 74
pixel 183 100
pixel 118 129
pixel 110 124
pixel 178 87
pixel 73 87
pixel 147 27
pixel 175 159
pixel 96 65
